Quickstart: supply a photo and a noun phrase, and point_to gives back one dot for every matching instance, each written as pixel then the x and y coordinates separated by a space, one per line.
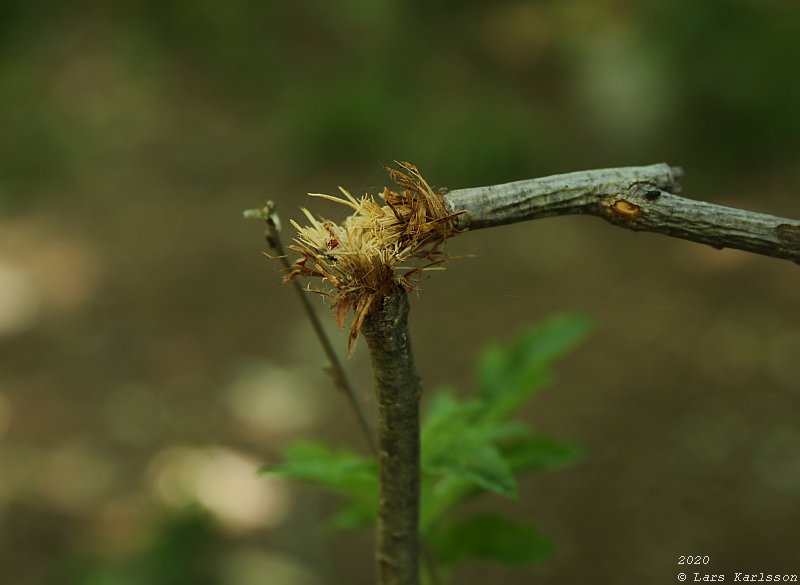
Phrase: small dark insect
pixel 652 195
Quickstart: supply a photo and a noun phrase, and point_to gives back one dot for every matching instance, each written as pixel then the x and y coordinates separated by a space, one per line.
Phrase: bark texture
pixel 637 198
pixel 398 389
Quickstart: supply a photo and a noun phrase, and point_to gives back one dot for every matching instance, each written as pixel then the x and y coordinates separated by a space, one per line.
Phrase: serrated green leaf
pixel 446 422
pixel 475 460
pixel 507 377
pixel 490 537
pixel 507 431
pixel 453 445
pixel 553 338
pixel 446 416
pixel 537 452
pixel 340 471
pixel 492 369
pixel 318 463
pixel 522 450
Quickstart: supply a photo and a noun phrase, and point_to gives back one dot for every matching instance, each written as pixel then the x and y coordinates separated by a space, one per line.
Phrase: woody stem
pixel 398 390
pixel 637 198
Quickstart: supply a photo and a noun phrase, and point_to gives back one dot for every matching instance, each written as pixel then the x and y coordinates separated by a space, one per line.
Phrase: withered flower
pixel 367 254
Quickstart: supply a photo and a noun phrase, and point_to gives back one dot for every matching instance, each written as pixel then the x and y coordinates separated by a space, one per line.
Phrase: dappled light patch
pixel 269 400
pixel 43 271
pixel 249 567
pixel 223 481
pixel 73 477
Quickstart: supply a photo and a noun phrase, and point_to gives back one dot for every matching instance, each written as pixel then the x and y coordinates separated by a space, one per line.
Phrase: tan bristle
pixel 361 257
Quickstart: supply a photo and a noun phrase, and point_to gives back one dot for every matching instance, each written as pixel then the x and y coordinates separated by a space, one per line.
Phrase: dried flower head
pixel 364 256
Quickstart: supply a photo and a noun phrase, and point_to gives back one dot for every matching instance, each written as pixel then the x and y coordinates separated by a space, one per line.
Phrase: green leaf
pixel 477 461
pixel 317 463
pixel 493 538
pixel 538 452
pixel 340 471
pixel 445 416
pixel 507 377
pixel 453 445
pixel 469 446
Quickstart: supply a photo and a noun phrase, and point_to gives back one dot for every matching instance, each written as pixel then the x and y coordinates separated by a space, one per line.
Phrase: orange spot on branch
pixel 625 210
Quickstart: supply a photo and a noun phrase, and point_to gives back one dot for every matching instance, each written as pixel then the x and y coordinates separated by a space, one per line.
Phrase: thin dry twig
pixel 335 369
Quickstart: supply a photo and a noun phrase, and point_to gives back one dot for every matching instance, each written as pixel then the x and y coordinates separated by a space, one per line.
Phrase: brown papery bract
pixel 361 258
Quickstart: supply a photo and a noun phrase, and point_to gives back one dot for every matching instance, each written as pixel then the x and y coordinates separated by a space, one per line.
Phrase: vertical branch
pixel 398 389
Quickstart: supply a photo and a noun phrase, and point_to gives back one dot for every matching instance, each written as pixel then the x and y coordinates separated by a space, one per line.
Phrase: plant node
pixel 362 258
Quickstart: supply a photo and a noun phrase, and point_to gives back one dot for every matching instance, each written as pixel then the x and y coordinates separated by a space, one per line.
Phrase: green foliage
pixel 469 447
pixel 340 471
pixel 490 537
pixel 507 377
pixel 457 446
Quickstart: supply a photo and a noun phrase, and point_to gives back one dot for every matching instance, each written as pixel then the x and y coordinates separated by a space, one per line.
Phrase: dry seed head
pixel 361 258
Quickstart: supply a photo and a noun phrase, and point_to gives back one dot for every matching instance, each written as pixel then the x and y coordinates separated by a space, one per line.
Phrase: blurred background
pixel 151 361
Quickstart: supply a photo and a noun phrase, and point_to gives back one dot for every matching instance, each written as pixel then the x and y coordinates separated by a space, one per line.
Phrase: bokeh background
pixel 151 361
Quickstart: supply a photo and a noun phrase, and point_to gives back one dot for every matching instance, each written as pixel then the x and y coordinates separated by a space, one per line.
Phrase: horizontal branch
pixel 637 198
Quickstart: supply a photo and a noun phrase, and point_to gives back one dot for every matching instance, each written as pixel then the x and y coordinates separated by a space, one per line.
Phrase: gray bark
pixel 398 389
pixel 637 198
